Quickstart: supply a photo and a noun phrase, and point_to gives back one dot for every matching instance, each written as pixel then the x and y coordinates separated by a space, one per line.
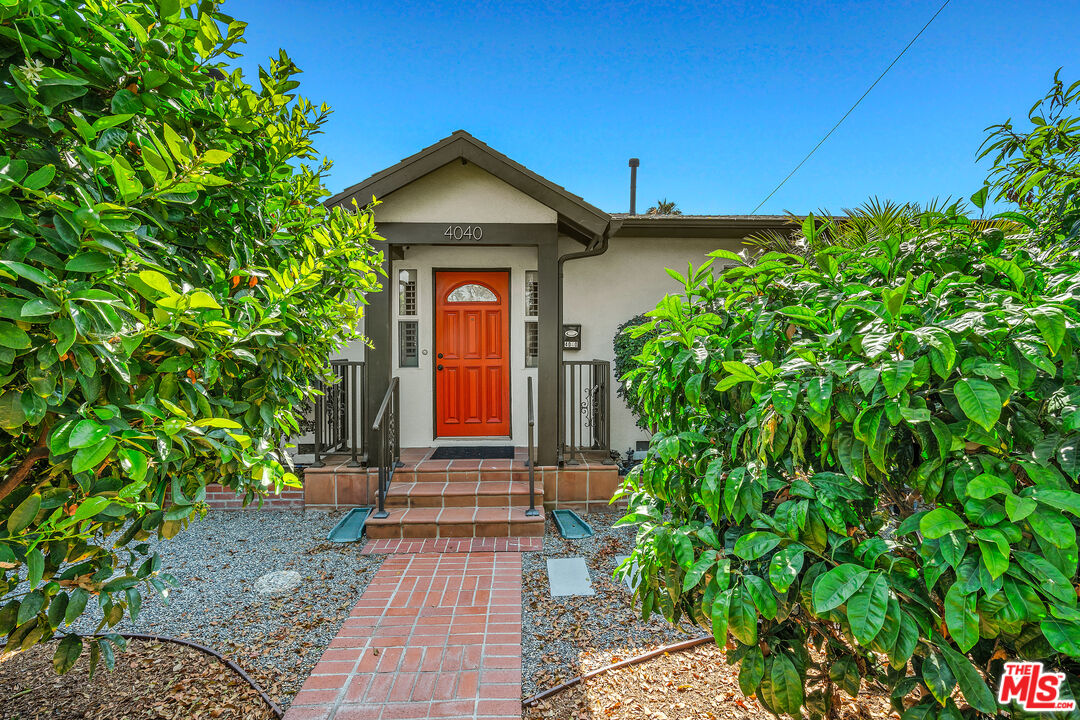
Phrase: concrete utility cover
pixel 569 576
pixel 630 580
pixel 279 582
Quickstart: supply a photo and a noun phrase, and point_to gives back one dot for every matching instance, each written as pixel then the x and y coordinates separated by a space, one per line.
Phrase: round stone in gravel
pixel 279 582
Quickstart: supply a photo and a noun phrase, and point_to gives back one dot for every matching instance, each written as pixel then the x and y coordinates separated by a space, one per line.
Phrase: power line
pixel 852 108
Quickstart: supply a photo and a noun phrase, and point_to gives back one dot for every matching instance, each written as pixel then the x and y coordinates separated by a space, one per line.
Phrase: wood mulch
pixel 152 681
pixel 694 684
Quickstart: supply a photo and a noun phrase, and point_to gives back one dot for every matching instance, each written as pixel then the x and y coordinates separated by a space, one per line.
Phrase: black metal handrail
pixel 389 450
pixel 340 415
pixel 584 408
pixel 532 456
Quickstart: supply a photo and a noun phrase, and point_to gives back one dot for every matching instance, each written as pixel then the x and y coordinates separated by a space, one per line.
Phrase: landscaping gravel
pixel 216 561
pixel 563 637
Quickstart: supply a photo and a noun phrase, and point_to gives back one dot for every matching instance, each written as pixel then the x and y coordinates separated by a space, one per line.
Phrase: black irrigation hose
pixel 684 645
pixel 210 651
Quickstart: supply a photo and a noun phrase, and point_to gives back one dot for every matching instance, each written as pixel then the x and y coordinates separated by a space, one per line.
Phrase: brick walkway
pixel 435 635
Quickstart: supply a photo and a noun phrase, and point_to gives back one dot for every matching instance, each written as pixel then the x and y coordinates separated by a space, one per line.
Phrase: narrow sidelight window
pixel 408 345
pixel 532 344
pixel 407 293
pixel 532 293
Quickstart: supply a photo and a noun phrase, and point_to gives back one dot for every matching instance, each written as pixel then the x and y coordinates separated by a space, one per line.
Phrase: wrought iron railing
pixel 532 456
pixel 388 450
pixel 339 414
pixel 584 409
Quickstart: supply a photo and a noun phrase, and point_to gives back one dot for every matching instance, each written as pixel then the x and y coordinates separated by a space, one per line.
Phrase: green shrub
pixel 873 453
pixel 627 347
pixel 170 291
pixel 1039 169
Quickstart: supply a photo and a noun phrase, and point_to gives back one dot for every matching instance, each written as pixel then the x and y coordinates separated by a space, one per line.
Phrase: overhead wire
pixel 852 108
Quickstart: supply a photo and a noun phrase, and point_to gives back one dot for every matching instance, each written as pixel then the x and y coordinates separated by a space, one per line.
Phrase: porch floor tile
pixel 416 643
pixel 452 545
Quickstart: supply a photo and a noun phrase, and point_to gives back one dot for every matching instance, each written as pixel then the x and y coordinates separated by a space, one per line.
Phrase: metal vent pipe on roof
pixel 634 162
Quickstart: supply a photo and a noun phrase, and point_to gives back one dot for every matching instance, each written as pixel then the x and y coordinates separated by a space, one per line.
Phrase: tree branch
pixel 18 475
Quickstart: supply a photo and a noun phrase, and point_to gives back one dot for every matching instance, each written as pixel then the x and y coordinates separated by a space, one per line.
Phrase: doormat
pixel 500 452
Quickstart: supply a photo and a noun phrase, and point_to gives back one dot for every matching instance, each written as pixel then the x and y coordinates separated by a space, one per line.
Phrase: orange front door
pixel 472 354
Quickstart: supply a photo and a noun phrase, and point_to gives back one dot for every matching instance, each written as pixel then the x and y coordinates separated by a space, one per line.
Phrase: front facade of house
pixel 498 279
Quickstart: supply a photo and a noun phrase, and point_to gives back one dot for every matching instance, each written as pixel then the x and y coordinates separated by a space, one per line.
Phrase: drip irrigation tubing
pixel 214 653
pixel 677 647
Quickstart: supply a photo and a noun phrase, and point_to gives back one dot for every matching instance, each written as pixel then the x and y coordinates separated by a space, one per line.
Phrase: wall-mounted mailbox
pixel 571 337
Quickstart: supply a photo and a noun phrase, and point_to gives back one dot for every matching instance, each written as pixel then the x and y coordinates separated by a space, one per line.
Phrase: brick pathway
pixel 452 545
pixel 435 635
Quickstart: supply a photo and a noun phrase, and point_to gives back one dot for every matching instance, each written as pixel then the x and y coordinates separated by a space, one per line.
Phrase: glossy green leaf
pixel 940 522
pixel 24 514
pixel 755 544
pixel 787 686
pixel 961 618
pixel 67 653
pixel 979 401
pixel 938 677
pixel 833 589
pixel 742 617
pixel 971 682
pixel 866 608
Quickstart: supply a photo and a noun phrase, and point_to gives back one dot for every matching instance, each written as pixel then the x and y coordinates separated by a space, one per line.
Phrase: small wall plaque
pixel 571 337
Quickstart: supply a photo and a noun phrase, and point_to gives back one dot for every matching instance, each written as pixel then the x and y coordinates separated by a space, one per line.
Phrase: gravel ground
pixel 216 561
pixel 563 637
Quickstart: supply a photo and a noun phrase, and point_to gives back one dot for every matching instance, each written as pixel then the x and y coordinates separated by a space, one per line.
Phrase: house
pixel 503 296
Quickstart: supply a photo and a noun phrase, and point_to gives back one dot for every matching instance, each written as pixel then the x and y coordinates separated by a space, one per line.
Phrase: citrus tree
pixel 170 291
pixel 867 459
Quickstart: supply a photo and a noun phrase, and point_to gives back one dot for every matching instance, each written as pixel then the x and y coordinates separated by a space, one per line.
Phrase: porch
pixel 428 498
pixel 339 424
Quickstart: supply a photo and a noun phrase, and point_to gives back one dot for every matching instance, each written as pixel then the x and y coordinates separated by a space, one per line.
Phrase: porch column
pixel 377 321
pixel 549 332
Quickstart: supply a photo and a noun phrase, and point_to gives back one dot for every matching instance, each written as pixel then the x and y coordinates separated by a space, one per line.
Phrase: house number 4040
pixel 460 232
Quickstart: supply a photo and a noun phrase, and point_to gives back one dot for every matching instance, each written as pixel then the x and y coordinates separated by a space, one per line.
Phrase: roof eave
pixel 726 228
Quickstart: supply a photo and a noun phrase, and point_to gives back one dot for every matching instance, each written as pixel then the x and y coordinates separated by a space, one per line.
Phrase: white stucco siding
pixel 461 194
pixel 354 350
pixel 600 293
pixel 417 391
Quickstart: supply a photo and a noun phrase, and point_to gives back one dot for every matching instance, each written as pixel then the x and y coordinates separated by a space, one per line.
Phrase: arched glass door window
pixel 471 293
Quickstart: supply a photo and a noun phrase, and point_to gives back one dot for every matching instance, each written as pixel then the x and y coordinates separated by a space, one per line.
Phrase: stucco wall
pixel 461 194
pixel 604 291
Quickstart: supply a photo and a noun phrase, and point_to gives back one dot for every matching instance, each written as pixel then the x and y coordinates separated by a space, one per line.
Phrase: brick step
pixel 456 522
pixel 427 473
pixel 473 494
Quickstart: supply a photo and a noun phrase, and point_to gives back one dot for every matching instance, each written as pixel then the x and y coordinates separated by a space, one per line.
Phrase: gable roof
pixel 576 217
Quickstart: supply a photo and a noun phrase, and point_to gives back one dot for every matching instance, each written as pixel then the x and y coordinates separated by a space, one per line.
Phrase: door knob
pixel 438 367
pixel 440 356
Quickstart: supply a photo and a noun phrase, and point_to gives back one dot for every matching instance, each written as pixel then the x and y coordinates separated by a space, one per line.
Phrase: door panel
pixel 472 339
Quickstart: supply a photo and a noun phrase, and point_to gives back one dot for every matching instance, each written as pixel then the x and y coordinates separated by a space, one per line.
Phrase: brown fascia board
pixel 575 215
pixel 702 226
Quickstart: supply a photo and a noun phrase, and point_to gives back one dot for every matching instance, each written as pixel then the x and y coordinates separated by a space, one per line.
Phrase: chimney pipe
pixel 634 162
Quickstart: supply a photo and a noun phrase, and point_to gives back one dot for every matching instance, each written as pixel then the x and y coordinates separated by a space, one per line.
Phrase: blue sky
pixel 719 100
